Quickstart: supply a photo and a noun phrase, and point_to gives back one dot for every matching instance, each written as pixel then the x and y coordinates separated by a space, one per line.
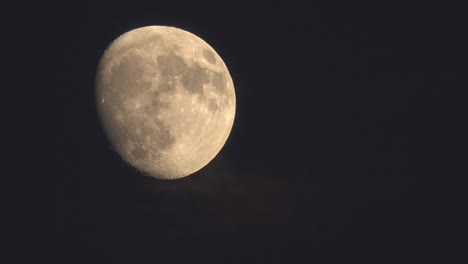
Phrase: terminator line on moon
pixel 165 99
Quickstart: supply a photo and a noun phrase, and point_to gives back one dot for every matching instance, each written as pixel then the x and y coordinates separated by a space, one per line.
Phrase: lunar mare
pixel 165 99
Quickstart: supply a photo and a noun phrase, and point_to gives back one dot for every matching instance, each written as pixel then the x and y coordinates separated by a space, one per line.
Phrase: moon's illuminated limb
pixel 166 100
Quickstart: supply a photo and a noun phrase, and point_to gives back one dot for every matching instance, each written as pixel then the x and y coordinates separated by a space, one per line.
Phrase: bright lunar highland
pixel 165 99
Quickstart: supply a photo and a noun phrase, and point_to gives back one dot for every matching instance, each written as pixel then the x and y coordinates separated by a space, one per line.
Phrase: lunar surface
pixel 165 99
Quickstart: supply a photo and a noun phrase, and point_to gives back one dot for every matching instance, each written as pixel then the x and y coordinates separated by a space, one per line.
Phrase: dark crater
pixel 209 56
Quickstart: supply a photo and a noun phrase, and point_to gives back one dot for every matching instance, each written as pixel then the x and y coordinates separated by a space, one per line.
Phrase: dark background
pixel 342 148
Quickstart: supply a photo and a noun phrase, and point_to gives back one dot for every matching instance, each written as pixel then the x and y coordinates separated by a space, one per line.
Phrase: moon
pixel 165 99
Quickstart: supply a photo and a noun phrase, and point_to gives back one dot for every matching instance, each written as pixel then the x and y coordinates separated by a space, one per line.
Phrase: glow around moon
pixel 165 99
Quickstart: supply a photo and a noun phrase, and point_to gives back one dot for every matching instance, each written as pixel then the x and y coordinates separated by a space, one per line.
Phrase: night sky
pixel 339 151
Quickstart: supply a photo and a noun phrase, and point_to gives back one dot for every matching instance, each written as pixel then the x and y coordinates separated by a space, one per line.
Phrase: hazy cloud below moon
pixel 218 201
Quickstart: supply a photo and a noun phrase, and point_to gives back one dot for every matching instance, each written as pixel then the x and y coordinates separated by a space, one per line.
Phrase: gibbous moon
pixel 165 99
